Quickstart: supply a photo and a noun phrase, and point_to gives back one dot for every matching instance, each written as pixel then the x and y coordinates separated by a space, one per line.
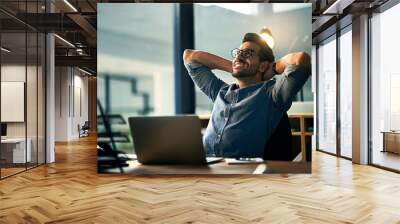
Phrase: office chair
pixel 279 146
pixel 108 156
pixel 84 129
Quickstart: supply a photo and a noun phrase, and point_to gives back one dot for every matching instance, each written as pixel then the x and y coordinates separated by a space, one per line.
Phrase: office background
pixel 339 190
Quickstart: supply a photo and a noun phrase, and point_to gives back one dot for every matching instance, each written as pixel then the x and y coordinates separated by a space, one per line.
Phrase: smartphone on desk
pixel 243 160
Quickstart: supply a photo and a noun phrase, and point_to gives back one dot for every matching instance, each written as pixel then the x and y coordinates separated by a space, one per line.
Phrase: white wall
pixel 62 98
pixel 80 108
pixel 12 73
pixel 71 94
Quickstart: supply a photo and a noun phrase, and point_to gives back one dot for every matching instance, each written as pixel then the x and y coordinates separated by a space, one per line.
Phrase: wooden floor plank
pixel 70 191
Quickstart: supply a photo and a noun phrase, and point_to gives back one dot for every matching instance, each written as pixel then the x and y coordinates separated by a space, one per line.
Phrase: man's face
pixel 243 66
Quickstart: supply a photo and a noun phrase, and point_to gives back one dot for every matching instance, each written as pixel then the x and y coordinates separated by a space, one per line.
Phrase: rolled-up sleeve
pixel 286 88
pixel 205 79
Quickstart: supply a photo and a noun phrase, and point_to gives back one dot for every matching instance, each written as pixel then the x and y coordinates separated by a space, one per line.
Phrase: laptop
pixel 3 131
pixel 169 140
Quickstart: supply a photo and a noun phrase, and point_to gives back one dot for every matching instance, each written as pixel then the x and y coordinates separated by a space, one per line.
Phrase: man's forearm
pixel 301 59
pixel 209 60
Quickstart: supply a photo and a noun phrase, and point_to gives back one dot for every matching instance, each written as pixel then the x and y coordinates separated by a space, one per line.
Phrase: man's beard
pixel 247 72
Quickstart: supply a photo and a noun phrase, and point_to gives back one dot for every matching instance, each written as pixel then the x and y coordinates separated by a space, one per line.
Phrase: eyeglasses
pixel 246 53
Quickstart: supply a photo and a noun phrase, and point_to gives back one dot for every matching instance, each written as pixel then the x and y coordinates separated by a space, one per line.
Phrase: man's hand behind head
pixel 301 59
pixel 207 59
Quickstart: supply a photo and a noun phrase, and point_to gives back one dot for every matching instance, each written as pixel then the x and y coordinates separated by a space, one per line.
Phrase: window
pixel 327 95
pixel 385 87
pixel 345 92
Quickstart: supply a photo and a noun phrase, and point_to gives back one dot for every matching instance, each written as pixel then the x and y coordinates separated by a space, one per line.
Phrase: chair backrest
pixel 86 125
pixel 279 146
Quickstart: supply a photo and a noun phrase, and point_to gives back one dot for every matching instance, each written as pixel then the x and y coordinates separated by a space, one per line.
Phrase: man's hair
pixel 266 53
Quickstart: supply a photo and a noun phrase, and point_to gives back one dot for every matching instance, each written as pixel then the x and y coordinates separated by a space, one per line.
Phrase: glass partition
pixel 22 91
pixel 14 145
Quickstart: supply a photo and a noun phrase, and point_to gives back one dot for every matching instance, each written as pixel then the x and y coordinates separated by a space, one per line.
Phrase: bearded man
pixel 245 113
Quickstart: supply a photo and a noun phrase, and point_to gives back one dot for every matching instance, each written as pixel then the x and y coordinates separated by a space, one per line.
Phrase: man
pixel 245 114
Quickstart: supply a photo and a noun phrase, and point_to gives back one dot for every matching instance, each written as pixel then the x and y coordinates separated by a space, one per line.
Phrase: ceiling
pixel 76 22
pixel 331 15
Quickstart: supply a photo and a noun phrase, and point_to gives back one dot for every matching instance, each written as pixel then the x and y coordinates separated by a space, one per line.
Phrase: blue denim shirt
pixel 243 119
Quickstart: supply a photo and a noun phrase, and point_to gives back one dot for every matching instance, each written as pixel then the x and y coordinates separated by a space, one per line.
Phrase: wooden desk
pixel 204 119
pixel 391 141
pixel 136 168
pixel 302 131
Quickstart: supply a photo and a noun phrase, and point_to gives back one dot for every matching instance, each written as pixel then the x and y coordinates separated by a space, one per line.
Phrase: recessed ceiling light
pixel 5 50
pixel 70 5
pixel 64 40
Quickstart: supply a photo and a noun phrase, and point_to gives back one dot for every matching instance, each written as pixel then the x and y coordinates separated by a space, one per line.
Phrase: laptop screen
pixel 3 129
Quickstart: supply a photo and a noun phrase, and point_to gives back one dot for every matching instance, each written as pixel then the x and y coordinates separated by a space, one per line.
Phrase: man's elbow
pixel 188 55
pixel 304 60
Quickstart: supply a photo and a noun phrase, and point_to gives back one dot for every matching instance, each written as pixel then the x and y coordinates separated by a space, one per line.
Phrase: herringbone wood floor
pixel 70 191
